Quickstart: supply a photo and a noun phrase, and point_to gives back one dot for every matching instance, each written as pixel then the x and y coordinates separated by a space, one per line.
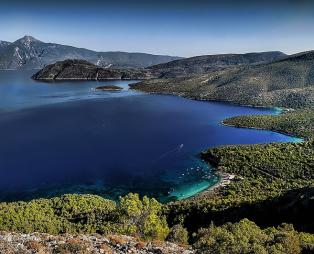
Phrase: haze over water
pixel 64 137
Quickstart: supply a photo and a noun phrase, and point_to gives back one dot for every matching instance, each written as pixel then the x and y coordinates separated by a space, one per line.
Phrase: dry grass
pixel 35 246
pixel 116 239
pixel 104 248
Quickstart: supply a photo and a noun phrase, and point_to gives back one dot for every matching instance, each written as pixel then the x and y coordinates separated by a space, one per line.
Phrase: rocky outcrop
pixel 83 70
pixel 83 244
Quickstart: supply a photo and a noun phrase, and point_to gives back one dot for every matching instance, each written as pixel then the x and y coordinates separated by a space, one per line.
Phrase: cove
pixel 65 137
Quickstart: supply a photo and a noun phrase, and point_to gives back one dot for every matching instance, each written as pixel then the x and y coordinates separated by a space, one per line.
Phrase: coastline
pixel 261 129
pixel 226 178
pixel 281 110
pixel 222 180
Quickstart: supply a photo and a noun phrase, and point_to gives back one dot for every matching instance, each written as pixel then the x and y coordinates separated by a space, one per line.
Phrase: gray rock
pixel 44 243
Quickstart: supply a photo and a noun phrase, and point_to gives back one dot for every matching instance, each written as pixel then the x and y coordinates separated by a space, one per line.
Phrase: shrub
pixel 178 234
pixel 143 217
pixel 246 237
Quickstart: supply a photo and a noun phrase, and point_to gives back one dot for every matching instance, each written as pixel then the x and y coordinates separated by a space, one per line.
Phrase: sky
pixel 171 27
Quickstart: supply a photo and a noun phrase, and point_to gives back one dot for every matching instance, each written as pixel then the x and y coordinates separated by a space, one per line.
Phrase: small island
pixel 108 88
pixel 74 69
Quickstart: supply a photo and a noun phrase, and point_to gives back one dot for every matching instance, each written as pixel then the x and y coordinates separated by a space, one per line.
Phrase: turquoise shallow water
pixel 64 137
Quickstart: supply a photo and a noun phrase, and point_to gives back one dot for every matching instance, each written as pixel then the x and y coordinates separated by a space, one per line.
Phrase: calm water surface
pixel 64 137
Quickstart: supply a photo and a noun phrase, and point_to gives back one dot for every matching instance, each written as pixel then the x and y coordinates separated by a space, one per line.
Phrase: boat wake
pixel 175 150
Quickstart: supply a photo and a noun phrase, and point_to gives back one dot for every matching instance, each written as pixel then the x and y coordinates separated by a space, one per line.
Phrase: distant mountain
pixel 83 70
pixel 288 82
pixel 209 63
pixel 4 44
pixel 30 53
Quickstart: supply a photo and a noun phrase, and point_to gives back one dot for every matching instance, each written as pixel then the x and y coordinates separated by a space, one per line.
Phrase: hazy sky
pixel 183 28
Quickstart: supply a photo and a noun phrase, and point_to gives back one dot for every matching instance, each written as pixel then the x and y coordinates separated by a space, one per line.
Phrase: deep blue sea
pixel 64 137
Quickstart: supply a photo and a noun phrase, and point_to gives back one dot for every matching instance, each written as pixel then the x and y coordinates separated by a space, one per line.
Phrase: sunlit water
pixel 64 137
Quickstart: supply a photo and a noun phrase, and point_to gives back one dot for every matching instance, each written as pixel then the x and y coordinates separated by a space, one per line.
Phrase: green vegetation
pixel 144 218
pixel 88 214
pixel 178 234
pixel 265 172
pixel 298 122
pixel 246 237
pixel 274 179
pixel 284 161
pixel 284 83
pixel 274 183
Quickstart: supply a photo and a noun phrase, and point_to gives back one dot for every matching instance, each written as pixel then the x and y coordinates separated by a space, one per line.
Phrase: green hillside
pixel 283 83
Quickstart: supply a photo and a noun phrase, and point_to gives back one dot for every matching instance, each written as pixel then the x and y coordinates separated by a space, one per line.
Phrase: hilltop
pixel 287 82
pixel 83 70
pixel 209 63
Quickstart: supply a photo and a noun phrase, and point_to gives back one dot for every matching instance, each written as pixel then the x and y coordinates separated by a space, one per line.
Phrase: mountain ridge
pixel 208 63
pixel 31 53
pixel 287 82
pixel 196 65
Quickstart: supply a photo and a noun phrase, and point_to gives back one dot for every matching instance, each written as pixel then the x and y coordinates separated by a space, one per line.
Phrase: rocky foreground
pixel 82 244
